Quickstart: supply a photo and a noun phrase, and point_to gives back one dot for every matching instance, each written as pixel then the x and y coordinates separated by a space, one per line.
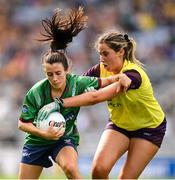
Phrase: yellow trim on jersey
pixel 136 108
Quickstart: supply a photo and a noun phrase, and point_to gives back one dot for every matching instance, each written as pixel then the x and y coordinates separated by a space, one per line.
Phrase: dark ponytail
pixel 61 29
pixel 59 32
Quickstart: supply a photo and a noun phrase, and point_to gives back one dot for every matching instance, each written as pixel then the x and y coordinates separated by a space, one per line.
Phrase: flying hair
pixel 60 29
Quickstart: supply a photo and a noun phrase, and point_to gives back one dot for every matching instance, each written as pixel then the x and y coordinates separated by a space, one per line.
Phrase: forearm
pixel 124 80
pixel 28 127
pixel 108 80
pixel 85 99
pixel 94 97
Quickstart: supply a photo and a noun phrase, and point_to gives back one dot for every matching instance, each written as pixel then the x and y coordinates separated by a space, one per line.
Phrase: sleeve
pixel 135 77
pixel 93 71
pixel 29 109
pixel 84 82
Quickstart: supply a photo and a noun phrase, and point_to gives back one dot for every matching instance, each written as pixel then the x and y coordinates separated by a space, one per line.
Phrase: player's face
pixel 56 74
pixel 112 61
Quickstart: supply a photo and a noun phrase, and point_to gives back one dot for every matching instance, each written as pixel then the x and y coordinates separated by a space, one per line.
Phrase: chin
pixel 108 69
pixel 55 86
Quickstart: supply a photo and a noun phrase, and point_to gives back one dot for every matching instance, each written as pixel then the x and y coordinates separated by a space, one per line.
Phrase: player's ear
pixel 69 69
pixel 121 52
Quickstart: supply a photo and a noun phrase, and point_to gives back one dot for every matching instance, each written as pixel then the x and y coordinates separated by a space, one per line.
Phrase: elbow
pixel 94 98
pixel 19 125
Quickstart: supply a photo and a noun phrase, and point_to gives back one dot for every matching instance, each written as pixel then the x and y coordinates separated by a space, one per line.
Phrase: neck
pixel 58 92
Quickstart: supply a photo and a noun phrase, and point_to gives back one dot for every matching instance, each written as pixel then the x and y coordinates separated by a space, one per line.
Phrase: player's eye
pixel 105 54
pixel 58 73
pixel 49 74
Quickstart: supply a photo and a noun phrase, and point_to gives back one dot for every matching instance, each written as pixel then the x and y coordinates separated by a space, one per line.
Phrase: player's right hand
pixel 54 133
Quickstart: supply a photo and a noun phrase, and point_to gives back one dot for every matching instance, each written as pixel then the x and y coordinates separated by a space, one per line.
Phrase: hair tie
pixel 126 37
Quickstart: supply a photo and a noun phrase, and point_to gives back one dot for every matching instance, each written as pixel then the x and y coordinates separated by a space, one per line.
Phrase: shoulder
pixel 39 86
pixel 129 66
pixel 93 71
pixel 80 78
pixel 136 73
pixel 71 77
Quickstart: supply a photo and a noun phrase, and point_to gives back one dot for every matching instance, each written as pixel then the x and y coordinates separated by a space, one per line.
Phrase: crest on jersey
pixel 25 109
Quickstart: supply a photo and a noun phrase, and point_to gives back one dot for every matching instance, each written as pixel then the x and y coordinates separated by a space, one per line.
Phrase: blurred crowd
pixel 151 23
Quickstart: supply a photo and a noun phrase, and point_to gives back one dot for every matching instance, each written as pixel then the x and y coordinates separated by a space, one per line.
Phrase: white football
pixel 54 116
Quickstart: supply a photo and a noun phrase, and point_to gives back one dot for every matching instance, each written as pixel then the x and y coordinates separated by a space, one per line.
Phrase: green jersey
pixel 40 95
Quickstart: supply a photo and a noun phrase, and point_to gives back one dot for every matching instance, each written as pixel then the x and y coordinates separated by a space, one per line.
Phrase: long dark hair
pixel 59 32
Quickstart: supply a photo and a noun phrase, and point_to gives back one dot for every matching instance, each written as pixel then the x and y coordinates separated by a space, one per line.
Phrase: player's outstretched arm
pixel 94 97
pixel 124 80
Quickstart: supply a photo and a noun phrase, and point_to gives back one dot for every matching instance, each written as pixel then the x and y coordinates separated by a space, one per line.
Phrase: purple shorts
pixel 154 135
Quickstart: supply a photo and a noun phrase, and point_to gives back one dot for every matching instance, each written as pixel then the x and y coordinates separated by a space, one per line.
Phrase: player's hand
pixel 125 81
pixel 53 133
pixel 49 108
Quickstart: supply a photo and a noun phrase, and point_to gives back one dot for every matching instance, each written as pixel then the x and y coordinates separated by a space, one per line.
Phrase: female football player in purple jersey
pixel 137 122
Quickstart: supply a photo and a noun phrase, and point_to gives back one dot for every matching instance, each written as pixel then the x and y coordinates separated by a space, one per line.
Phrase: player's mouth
pixel 105 66
pixel 54 84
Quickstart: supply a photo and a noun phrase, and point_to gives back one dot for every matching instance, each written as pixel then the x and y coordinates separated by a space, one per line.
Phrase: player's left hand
pixel 125 81
pixel 49 108
pixel 52 133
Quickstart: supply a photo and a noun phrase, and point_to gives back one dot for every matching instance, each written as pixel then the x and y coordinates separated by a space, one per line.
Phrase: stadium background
pixel 151 23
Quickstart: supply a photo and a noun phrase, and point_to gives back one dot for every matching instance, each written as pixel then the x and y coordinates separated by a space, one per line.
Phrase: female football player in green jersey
pixel 60 145
pixel 137 123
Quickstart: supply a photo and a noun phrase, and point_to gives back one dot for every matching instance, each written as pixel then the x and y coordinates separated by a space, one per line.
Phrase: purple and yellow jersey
pixel 40 95
pixel 99 71
pixel 137 108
